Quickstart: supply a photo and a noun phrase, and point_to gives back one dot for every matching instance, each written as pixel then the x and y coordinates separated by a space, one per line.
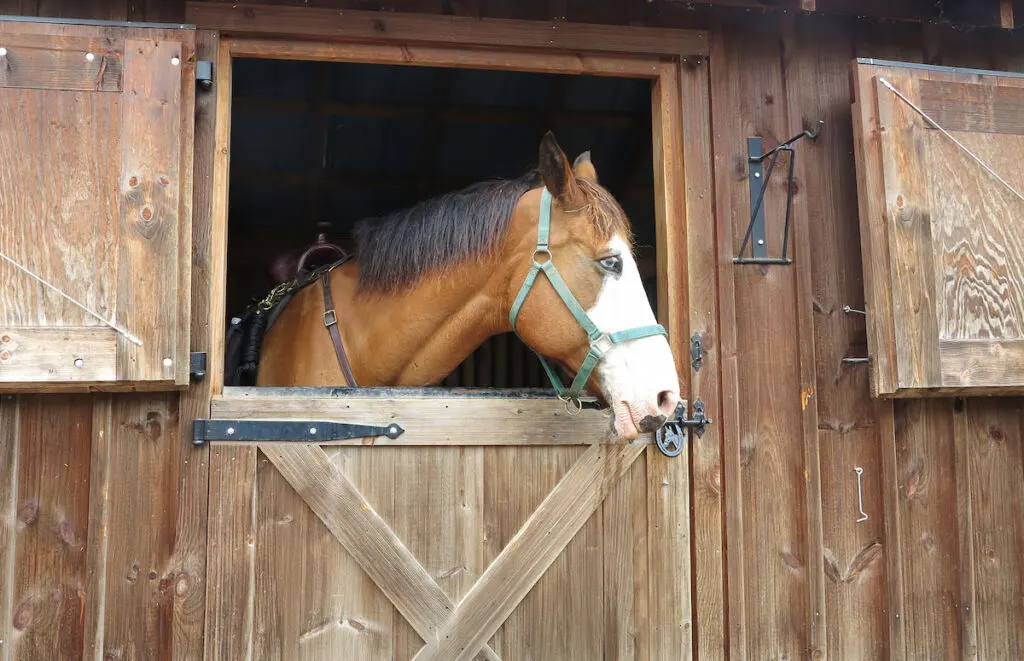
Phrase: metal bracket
pixel 671 437
pixel 758 183
pixel 295 431
pixel 204 75
pixel 197 365
pixel 696 352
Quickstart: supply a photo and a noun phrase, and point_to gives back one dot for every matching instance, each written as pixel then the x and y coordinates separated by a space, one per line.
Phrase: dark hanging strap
pixel 331 322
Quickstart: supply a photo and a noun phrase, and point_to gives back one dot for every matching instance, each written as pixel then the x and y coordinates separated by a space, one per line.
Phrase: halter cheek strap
pixel 600 343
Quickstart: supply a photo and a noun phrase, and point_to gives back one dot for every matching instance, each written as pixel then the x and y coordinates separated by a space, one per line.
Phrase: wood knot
pixel 164 180
pixel 996 434
pixel 5 339
pixel 147 213
pixel 5 356
pixel 899 201
pixel 28 513
pixel 818 655
pixel 24 614
pixel 66 532
pixel 133 181
pixel 133 572
pixel 183 585
pixel 379 26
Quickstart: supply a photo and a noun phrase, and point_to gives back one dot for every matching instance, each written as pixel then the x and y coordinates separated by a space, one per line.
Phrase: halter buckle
pixel 330 318
pixel 602 343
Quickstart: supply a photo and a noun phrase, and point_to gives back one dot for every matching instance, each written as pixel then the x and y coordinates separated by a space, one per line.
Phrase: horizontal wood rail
pixel 400 28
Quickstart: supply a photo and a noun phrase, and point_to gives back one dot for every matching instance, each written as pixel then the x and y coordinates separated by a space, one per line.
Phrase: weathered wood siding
pixel 102 536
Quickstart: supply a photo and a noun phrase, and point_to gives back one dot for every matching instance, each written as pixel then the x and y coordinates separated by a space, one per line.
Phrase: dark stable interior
pixel 317 146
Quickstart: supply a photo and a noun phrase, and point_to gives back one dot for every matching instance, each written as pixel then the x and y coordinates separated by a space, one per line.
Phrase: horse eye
pixel 611 264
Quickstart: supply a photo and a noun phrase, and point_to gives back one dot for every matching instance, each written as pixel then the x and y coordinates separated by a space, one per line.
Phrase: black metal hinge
pixel 696 352
pixel 197 365
pixel 671 437
pixel 297 431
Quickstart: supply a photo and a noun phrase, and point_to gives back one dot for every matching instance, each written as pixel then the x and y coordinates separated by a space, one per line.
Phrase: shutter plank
pixel 147 272
pixel 61 64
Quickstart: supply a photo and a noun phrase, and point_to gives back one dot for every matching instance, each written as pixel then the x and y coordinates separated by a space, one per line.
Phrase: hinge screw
pixel 3 51
pixel 89 57
pixel 175 61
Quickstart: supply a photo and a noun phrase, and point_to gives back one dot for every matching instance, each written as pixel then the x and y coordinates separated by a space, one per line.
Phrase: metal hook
pixel 860 495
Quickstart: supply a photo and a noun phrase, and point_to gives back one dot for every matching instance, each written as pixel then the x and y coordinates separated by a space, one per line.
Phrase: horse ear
pixel 554 167
pixel 584 167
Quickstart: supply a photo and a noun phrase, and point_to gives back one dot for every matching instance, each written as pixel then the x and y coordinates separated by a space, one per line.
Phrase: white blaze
pixel 636 371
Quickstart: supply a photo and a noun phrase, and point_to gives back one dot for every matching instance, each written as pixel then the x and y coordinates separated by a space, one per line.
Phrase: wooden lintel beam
pixel 401 28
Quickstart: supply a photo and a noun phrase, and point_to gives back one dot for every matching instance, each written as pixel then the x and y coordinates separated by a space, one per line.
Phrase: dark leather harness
pixel 246 332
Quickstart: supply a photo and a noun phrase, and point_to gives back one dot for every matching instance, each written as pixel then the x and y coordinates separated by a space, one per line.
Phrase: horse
pixel 548 255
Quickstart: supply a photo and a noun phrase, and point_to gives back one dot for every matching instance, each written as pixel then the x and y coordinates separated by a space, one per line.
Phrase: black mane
pixel 397 249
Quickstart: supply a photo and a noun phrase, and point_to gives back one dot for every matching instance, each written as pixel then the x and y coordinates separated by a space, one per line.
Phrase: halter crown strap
pixel 600 343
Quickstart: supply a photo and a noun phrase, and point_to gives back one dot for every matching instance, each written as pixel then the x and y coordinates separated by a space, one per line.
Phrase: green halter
pixel 600 343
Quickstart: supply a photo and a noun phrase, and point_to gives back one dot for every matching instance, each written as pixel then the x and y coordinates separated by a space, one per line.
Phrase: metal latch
pixel 297 431
pixel 696 352
pixel 671 437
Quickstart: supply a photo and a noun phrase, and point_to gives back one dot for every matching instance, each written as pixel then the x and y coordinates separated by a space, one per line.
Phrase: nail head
pixel 3 51
pixel 175 61
pixel 168 362
pixel 79 363
pixel 89 57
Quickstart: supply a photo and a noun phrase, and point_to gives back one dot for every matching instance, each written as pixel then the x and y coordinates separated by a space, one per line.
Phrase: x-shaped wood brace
pixel 453 633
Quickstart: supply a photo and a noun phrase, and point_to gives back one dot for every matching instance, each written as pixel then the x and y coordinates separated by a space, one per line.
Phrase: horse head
pixel 576 297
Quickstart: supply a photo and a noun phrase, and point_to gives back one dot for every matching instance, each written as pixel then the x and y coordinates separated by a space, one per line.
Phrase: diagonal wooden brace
pixel 529 554
pixel 368 538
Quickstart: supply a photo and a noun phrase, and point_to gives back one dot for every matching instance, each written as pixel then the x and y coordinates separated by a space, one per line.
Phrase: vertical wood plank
pixel 230 584
pixel 219 214
pixel 10 429
pixel 896 647
pixel 100 497
pixel 626 583
pixel 926 475
pixel 52 527
pixel 668 481
pixel 724 96
pixel 707 535
pixel 143 481
pixel 965 529
pixel 990 443
pixel 150 215
pixel 187 569
pixel 769 528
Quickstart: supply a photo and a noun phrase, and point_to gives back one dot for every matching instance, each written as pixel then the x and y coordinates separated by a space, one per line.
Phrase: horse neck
pixel 417 336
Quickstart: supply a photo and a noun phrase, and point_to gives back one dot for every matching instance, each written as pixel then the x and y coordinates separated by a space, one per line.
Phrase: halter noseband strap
pixel 600 343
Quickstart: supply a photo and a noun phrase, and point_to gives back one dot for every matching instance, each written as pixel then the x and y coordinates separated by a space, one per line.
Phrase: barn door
pixel 475 527
pixel 941 191
pixel 96 126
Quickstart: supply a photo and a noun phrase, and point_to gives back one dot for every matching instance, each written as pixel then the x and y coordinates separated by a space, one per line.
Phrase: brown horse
pixel 431 283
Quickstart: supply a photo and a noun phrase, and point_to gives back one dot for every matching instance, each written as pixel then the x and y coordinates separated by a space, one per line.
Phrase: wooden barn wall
pixel 103 531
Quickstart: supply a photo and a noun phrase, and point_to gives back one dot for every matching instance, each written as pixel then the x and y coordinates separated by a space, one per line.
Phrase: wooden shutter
pixel 942 236
pixel 96 127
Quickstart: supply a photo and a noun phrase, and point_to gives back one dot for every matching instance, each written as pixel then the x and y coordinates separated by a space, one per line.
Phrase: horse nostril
pixel 667 402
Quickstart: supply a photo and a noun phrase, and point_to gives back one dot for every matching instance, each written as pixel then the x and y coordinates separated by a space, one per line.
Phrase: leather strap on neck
pixel 331 322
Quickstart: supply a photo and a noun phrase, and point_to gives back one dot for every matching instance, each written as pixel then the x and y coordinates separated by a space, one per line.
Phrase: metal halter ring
pixel 566 399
